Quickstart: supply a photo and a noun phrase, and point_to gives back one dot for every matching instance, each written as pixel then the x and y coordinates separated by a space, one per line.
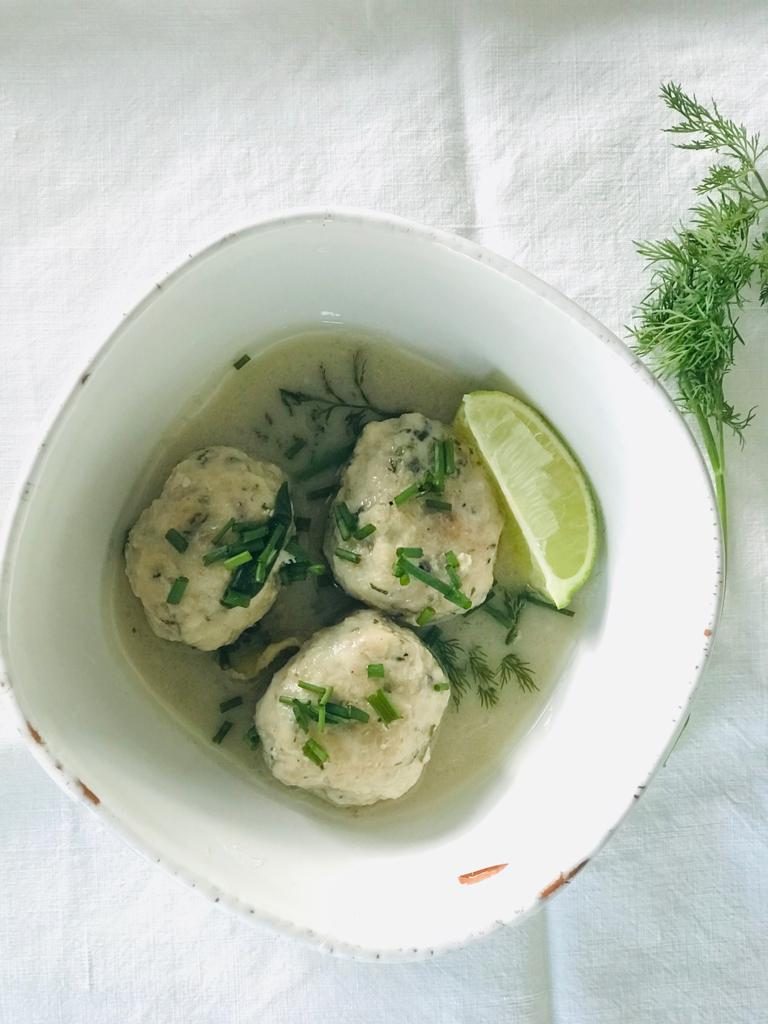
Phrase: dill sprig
pixel 512 667
pixel 358 409
pixel 448 653
pixel 484 676
pixel 688 322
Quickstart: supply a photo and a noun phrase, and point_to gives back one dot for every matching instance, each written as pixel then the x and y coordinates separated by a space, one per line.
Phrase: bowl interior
pixel 619 701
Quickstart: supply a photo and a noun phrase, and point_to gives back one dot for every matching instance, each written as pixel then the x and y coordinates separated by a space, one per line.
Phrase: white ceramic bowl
pixel 358 888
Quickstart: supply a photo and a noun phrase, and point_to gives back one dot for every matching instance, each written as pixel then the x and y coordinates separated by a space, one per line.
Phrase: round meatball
pixel 453 535
pixel 203 493
pixel 367 761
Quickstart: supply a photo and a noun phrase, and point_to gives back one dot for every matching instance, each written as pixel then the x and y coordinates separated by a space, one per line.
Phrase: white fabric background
pixel 134 133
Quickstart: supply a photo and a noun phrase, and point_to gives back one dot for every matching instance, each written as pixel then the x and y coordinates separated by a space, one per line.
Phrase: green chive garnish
pixel 438 505
pixel 451 566
pixel 249 526
pixel 241 362
pixel 177 540
pixel 364 531
pixel 409 553
pixel 302 524
pixel 450 457
pixel 345 521
pixel 273 544
pixel 295 572
pixel 252 738
pixel 222 533
pixel 315 752
pixel 222 731
pixel 346 712
pixel 294 548
pixel 376 671
pixel 227 705
pixel 239 559
pixel 439 687
pixel 425 616
pixel 322 492
pixel 216 555
pixel 446 589
pixel 409 492
pixel 312 687
pixel 293 450
pixel 317 569
pixel 383 707
pixel 234 599
pixel 438 465
pixel 176 592
pixel 347 556
pixel 405 579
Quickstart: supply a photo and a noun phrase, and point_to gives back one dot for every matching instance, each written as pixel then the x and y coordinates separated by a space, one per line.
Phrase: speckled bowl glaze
pixel 354 886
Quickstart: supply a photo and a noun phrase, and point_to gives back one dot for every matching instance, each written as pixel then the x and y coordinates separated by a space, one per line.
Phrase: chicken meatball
pixel 363 671
pixel 205 492
pixel 447 529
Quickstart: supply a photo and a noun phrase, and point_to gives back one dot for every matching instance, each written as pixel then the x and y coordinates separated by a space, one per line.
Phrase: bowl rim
pixel 12 524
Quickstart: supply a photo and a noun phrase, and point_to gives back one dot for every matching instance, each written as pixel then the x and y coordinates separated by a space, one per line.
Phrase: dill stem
pixel 716 454
pixel 760 181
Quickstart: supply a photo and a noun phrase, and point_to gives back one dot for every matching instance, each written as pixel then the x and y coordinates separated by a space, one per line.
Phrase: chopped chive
pixel 177 540
pixel 532 598
pixel 273 544
pixel 378 590
pixel 409 553
pixel 438 504
pixel 364 531
pixel 438 465
pixel 312 687
pixel 425 616
pixel 347 556
pixel 222 731
pixel 383 707
pixel 260 572
pixel 451 565
pixel 439 687
pixel 346 712
pixel 317 569
pixel 457 597
pixel 294 572
pixel 301 714
pixel 405 579
pixel 498 614
pixel 450 457
pixel 236 560
pixel 302 524
pixel 321 717
pixel 215 555
pixel 234 599
pixel 227 705
pixel 322 492
pixel 345 521
pixel 250 525
pixel 222 533
pixel 294 548
pixel 328 460
pixel 283 510
pixel 176 592
pixel 448 591
pixel 315 752
pixel 293 450
pixel 241 362
pixel 408 493
pixel 326 696
pixel 252 738
pixel 376 671
pixel 250 537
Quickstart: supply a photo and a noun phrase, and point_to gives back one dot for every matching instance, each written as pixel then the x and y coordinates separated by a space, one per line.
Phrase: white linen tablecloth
pixel 134 133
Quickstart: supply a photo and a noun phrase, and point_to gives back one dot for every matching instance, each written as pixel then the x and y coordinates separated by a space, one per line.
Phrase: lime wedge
pixel 549 540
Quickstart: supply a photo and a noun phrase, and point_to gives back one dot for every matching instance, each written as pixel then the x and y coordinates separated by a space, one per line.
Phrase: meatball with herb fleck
pixel 415 525
pixel 353 715
pixel 216 505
